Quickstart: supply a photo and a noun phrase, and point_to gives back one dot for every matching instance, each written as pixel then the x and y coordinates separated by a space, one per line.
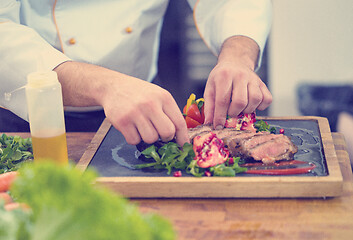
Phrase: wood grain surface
pixel 304 218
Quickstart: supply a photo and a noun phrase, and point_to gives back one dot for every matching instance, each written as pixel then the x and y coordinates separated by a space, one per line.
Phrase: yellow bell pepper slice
pixel 189 101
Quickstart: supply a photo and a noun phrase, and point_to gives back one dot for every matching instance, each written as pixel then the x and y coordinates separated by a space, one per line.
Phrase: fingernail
pixel 219 127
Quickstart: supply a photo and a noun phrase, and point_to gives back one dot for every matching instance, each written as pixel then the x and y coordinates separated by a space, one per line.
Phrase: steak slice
pixel 267 148
pixel 199 130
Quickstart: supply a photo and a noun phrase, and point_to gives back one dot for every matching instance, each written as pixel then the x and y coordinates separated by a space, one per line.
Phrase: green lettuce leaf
pixel 65 204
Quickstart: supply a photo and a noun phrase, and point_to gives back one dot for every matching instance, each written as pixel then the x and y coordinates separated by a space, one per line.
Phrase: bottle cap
pixel 41 79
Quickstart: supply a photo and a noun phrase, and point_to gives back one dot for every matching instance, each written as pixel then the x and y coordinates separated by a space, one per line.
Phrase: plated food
pixel 225 152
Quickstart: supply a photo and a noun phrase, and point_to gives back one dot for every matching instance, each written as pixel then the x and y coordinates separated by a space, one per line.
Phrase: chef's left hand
pixel 232 86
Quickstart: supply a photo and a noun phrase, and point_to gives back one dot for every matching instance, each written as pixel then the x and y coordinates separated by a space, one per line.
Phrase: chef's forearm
pixel 240 49
pixel 82 84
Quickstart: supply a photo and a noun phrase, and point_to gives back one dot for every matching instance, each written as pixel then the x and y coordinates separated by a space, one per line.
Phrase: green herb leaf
pixel 235 166
pixel 222 171
pixel 194 169
pixel 263 126
pixel 14 150
pixel 200 104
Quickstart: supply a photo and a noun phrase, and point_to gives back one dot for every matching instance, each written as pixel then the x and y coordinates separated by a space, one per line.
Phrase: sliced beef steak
pixel 261 146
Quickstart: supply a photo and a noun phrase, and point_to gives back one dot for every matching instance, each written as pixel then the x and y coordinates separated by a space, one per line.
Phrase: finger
pixel 239 98
pixel 165 127
pixel 267 97
pixel 172 110
pixel 125 125
pixel 146 130
pixel 130 133
pixel 222 101
pixel 254 97
pixel 209 96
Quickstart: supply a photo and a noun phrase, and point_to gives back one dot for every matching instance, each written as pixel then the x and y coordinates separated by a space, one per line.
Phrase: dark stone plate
pixel 115 158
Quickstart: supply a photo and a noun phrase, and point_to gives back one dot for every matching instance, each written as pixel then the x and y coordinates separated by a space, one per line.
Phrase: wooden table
pixel 251 218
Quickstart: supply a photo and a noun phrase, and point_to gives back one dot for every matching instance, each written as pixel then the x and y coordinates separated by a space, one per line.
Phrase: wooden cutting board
pixel 111 156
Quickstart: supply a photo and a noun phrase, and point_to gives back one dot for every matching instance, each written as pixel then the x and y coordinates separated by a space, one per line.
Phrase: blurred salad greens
pixel 64 204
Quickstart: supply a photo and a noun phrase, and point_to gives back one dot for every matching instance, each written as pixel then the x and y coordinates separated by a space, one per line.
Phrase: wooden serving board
pixel 143 184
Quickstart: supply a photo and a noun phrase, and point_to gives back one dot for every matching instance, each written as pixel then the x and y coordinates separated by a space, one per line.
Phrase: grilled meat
pixel 261 146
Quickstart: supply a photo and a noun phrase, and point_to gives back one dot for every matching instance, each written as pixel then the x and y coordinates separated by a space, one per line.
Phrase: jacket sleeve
pixel 22 51
pixel 218 20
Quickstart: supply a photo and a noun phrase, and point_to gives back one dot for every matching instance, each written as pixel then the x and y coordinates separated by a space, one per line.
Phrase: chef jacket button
pixel 128 30
pixel 72 41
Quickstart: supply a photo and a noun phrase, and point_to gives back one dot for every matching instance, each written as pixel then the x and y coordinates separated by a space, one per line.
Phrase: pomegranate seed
pixel 208 174
pixel 230 161
pixel 281 131
pixel 244 124
pixel 177 174
pixel 253 115
pixel 241 115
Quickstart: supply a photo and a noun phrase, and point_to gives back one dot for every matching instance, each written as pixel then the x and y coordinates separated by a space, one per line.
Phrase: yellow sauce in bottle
pixel 46 117
pixel 50 149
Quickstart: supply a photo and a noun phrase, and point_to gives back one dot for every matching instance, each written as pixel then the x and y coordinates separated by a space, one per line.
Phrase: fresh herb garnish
pixel 171 157
pixel 263 126
pixel 228 169
pixel 14 150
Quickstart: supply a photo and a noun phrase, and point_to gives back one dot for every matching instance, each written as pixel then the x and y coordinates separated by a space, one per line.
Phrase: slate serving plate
pixel 114 159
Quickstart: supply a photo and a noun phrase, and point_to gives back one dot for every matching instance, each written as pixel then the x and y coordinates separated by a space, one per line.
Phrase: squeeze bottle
pixel 46 117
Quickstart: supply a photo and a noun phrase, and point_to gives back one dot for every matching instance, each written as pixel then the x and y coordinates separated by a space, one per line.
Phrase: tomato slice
pixel 194 113
pixel 191 123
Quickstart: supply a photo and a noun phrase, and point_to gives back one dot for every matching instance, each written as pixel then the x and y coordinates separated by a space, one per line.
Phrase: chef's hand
pixel 233 86
pixel 138 109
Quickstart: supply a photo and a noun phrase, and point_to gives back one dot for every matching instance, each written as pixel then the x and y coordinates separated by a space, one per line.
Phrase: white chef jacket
pixel 122 35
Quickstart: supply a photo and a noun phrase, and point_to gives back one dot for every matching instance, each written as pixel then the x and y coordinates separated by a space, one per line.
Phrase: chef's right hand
pixel 144 111
pixel 138 109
